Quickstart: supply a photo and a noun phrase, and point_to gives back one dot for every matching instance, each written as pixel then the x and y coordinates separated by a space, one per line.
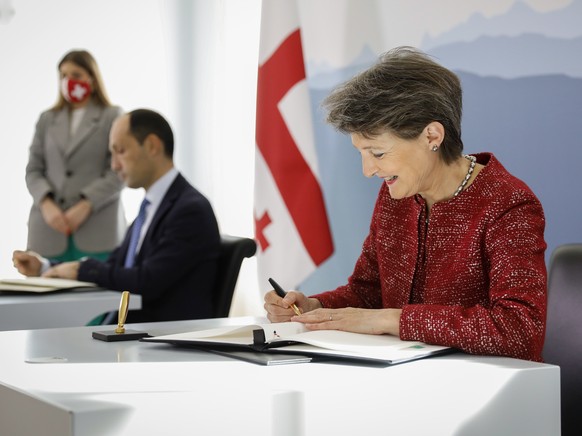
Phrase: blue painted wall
pixel 522 78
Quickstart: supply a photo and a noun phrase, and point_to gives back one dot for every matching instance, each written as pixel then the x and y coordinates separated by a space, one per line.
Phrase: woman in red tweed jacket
pixel 455 253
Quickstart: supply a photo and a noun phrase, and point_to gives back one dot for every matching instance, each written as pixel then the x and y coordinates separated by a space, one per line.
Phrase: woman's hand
pixel 54 216
pixel 279 309
pixel 78 214
pixel 371 321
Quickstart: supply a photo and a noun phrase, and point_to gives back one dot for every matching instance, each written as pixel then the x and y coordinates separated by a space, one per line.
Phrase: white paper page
pixel 41 284
pixel 385 347
pixel 242 335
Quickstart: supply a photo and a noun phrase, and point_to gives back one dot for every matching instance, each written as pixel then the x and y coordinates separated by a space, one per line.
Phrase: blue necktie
pixel 135 232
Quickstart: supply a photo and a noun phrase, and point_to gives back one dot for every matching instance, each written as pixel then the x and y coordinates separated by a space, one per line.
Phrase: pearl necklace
pixel 473 161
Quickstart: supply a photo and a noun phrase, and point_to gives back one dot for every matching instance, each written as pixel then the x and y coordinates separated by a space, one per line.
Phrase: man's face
pixel 129 159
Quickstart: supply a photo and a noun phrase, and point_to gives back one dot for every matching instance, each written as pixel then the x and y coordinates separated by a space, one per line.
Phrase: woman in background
pixel 455 253
pixel 76 209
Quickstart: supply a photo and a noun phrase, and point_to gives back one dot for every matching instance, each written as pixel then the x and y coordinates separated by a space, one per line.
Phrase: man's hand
pixel 65 270
pixel 27 263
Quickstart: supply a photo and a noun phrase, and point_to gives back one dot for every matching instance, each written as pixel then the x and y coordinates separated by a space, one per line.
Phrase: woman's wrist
pixel 314 303
pixel 48 197
pixel 392 326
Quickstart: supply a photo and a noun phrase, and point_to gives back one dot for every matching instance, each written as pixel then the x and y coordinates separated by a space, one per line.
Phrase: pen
pixel 281 293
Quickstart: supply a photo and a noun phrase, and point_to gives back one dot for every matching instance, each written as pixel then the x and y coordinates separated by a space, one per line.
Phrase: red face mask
pixel 75 91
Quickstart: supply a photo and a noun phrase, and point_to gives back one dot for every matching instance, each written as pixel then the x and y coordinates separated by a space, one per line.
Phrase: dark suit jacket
pixel 176 266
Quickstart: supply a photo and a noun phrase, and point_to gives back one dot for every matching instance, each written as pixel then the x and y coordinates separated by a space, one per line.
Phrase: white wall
pixel 143 48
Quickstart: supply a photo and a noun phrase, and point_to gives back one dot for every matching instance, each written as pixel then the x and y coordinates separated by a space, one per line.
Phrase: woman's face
pixel 405 165
pixel 71 70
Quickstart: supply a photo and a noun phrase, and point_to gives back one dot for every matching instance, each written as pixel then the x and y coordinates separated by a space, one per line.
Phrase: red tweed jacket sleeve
pixel 473 277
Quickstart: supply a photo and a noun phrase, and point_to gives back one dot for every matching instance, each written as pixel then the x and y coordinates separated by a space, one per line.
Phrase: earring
pixel 435 148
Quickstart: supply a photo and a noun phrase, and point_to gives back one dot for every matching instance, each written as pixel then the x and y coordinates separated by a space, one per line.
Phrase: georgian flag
pixel 291 225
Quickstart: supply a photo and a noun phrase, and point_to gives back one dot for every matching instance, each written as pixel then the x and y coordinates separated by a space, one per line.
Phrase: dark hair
pixel 402 93
pixel 85 60
pixel 144 122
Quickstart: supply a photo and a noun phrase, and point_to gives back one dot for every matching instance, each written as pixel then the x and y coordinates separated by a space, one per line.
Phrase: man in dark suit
pixel 177 248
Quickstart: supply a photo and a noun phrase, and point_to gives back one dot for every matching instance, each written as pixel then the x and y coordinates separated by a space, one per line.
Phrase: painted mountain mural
pixel 522 80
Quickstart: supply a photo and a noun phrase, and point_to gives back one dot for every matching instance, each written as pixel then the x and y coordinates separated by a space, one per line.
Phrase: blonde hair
pixel 85 60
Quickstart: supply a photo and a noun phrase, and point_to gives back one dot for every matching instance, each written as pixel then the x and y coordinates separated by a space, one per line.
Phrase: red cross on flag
pixel 291 226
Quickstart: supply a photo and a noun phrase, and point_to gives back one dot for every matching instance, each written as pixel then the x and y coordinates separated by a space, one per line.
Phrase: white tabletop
pixel 58 309
pixel 136 388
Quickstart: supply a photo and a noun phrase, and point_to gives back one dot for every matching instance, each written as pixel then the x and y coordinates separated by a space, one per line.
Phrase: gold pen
pixel 281 293
pixel 123 308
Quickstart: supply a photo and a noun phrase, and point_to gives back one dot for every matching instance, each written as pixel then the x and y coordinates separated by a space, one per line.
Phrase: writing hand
pixel 280 310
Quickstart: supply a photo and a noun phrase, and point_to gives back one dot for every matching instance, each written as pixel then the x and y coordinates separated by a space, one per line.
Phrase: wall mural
pixel 522 79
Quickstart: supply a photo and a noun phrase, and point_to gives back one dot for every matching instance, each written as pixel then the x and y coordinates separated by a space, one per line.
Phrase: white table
pixel 136 388
pixel 59 309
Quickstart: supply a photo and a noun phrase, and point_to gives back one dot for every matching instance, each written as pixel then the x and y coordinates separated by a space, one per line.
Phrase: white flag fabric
pixel 291 224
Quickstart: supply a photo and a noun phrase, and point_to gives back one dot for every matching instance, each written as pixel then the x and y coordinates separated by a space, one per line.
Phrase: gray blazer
pixel 72 168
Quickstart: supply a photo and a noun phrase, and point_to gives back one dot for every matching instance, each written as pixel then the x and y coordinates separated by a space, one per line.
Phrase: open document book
pixel 43 284
pixel 294 338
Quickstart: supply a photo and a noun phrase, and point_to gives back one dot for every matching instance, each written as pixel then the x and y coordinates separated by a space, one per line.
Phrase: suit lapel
pixel 167 203
pixel 88 124
pixel 59 130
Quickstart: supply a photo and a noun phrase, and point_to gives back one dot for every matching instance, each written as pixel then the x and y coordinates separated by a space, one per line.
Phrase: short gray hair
pixel 402 93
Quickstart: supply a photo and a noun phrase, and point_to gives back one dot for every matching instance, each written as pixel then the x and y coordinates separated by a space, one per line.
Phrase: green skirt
pixel 73 253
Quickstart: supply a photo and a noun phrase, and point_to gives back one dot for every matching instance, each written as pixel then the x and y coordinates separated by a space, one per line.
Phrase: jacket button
pixel 69 173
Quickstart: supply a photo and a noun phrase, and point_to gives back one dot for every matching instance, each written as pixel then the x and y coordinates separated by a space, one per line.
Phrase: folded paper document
pixel 42 284
pixel 294 338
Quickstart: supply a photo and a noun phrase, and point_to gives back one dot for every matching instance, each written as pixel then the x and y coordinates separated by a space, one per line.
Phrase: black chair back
pixel 233 250
pixel 563 344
